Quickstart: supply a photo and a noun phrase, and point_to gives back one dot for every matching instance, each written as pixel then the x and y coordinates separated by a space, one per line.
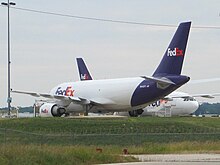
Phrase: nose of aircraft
pixel 195 106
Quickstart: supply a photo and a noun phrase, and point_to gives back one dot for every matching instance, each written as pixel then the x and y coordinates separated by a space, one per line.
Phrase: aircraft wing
pixel 49 96
pixel 210 96
pixel 77 100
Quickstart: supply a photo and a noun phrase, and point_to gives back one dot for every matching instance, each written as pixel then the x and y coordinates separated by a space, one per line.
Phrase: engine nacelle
pixel 135 113
pixel 51 110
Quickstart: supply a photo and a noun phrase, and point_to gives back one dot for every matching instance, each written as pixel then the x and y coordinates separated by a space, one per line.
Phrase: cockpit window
pixel 189 99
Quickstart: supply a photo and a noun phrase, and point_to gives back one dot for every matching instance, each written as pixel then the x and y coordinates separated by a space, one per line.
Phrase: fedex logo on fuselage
pixel 158 103
pixel 174 52
pixel 155 104
pixel 66 92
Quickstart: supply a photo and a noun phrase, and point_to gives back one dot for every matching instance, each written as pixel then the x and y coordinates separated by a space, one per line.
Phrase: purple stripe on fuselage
pixel 148 91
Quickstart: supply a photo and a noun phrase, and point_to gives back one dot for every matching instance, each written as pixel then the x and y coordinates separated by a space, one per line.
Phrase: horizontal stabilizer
pixel 162 80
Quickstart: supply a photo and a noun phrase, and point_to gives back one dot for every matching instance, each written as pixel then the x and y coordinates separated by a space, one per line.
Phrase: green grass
pixel 70 155
pixel 109 125
pixel 74 141
pixel 108 131
pixel 66 155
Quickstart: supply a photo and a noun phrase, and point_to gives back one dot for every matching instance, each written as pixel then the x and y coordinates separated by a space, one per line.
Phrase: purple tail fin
pixel 173 58
pixel 83 71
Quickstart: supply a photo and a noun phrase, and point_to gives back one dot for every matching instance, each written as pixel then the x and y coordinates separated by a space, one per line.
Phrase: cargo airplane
pixel 181 104
pixel 124 94
pixel 175 104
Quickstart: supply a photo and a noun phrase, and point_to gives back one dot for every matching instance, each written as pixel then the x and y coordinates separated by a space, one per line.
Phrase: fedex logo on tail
pixel 84 77
pixel 174 52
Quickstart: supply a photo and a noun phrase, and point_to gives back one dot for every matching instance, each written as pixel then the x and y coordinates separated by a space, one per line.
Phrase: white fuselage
pixel 174 107
pixel 113 94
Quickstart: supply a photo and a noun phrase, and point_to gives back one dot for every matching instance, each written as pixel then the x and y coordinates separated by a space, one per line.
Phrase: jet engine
pixel 135 113
pixel 50 109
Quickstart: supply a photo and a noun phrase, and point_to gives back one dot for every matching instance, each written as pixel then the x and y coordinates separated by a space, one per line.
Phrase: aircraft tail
pixel 83 71
pixel 173 58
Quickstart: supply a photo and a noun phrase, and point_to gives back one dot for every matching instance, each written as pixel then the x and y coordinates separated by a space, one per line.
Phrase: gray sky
pixel 44 47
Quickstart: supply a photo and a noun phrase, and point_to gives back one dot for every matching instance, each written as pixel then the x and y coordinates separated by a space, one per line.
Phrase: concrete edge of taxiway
pixel 179 158
pixel 175 158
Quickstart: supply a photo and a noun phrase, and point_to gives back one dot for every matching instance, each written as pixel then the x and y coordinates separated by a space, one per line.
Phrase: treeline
pixel 21 109
pixel 207 108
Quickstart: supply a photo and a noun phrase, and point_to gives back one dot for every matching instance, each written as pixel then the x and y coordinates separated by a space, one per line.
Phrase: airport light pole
pixel 9 99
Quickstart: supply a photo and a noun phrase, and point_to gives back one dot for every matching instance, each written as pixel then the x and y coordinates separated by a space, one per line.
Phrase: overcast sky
pixel 44 47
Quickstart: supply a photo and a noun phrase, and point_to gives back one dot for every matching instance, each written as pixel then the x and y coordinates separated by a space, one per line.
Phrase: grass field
pixel 74 141
pixel 104 125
